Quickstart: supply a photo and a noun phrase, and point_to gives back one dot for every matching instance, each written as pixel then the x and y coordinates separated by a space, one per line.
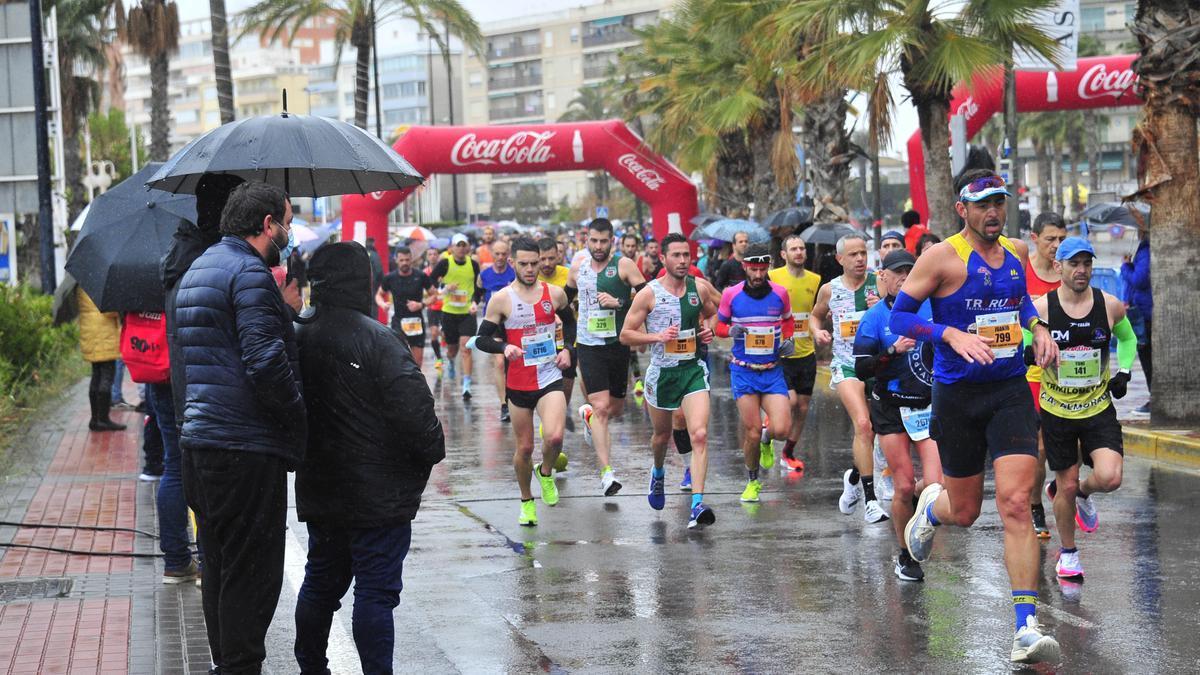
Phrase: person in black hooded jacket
pixel 373 439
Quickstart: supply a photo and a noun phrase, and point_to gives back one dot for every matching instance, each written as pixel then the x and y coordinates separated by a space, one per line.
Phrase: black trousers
pixel 103 374
pixel 1146 356
pixel 240 501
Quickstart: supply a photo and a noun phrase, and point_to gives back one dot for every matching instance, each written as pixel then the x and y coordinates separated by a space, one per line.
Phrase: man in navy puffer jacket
pixel 244 421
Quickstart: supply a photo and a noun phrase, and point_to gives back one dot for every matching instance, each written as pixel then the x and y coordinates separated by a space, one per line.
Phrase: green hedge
pixel 32 348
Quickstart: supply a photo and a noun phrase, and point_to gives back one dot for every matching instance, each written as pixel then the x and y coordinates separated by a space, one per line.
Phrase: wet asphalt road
pixel 789 585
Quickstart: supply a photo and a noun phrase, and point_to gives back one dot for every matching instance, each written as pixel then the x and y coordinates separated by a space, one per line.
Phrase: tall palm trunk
pixel 1046 187
pixel 220 48
pixel 1095 168
pixel 824 136
pixel 160 116
pixel 932 114
pixel 1076 150
pixel 769 196
pixel 733 188
pixel 1056 177
pixel 362 83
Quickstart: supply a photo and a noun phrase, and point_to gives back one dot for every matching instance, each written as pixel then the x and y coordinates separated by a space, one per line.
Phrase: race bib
pixel 682 347
pixel 539 347
pixel 559 341
pixel 1005 330
pixel 848 326
pixel 800 325
pixel 411 325
pixel 458 298
pixel 916 421
pixel 1079 368
pixel 602 323
pixel 760 340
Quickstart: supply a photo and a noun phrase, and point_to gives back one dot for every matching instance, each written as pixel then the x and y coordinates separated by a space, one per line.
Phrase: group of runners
pixel 977 348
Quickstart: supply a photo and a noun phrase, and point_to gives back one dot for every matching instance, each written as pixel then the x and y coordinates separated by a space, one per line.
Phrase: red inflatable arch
pixel 1097 82
pixel 529 148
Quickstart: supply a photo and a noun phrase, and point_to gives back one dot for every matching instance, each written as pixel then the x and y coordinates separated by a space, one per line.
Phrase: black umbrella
pixel 127 231
pixel 305 155
pixel 1110 213
pixel 706 218
pixel 787 220
pixel 826 233
pixel 65 307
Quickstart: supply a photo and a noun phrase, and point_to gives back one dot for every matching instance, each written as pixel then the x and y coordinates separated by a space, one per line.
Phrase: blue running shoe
pixel 657 496
pixel 686 483
pixel 701 516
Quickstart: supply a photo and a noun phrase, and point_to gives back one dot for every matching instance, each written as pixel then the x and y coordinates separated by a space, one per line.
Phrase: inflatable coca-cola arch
pixel 1096 82
pixel 529 148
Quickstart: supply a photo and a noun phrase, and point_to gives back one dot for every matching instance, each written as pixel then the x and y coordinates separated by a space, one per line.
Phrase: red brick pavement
pixel 65 636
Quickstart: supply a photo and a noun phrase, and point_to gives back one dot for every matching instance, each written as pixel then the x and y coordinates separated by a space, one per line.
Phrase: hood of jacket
pixel 340 276
pixel 188 244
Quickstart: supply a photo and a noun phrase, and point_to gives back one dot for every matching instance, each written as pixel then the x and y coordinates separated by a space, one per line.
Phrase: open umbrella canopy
pixel 785 221
pixel 1110 213
pixel 415 232
pixel 306 156
pixel 726 228
pixel 826 233
pixel 706 218
pixel 126 233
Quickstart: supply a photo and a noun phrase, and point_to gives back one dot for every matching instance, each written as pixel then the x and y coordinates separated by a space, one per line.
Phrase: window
pixel 481 197
pixel 475 79
pixel 1092 19
pixel 186 116
pixel 574 35
pixel 549 40
pixel 1130 12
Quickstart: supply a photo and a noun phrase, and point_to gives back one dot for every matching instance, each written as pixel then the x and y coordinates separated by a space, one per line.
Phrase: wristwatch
pixel 1037 321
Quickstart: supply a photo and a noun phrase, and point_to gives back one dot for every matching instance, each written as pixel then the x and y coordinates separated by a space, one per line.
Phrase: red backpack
pixel 144 347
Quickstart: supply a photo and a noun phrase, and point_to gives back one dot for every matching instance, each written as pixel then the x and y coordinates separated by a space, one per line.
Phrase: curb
pixel 1168 447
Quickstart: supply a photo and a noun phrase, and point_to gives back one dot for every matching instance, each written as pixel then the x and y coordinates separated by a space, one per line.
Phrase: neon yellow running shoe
pixel 766 455
pixel 750 494
pixel 528 514
pixel 638 387
pixel 560 464
pixel 549 489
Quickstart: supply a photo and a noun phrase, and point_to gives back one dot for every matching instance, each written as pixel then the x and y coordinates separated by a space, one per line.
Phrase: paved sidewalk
pixel 63 613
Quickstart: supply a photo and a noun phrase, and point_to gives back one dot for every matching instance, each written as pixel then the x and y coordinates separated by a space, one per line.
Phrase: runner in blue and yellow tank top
pixel 975 281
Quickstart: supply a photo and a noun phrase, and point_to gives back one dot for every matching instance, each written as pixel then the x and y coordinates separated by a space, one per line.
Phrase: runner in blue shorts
pixel 757 314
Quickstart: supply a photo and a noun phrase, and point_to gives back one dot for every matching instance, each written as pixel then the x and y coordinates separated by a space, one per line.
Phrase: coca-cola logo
pixel 648 176
pixel 1099 81
pixel 523 147
pixel 968 108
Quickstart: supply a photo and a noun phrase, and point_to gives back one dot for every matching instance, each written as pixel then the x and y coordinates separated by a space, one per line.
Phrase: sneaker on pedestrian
pixel 657 495
pixel 852 493
pixel 1039 522
pixel 919 531
pixel 766 455
pixel 549 488
pixel 908 569
pixel 504 414
pixel 585 414
pixel 1068 565
pixel 1030 645
pixel 151 472
pixel 122 404
pixel 686 483
pixel 701 516
pixel 1144 409
pixel 181 575
pixel 874 513
pixel 885 487
pixel 466 388
pixel 528 516
pixel 750 494
pixel 1085 513
pixel 609 483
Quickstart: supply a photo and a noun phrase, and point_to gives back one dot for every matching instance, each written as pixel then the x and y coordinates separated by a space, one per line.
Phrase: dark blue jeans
pixel 374 559
pixel 172 508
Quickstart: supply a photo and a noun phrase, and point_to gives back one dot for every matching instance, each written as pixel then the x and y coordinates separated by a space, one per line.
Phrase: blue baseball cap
pixel 1072 246
pixel 892 234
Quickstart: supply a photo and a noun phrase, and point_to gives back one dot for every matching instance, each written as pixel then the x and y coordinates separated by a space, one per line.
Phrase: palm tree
pixel 220 50
pixel 152 30
pixel 354 23
pixel 1168 69
pixel 929 50
pixel 84 34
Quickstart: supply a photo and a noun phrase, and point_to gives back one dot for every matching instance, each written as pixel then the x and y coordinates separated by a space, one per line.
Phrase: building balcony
pixel 514 51
pixel 515 81
pixel 597 71
pixel 608 37
pixel 498 113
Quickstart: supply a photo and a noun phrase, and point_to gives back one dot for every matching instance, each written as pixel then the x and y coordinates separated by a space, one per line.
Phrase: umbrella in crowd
pixel 415 232
pixel 826 233
pixel 786 221
pixel 1115 213
pixel 706 219
pixel 123 239
pixel 305 155
pixel 321 234
pixel 725 229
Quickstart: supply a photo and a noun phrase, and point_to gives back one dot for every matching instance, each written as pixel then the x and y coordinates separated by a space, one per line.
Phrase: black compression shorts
pixel 972 420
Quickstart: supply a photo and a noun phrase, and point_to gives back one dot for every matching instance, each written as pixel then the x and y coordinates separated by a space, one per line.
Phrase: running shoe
pixel 918 533
pixel 1144 409
pixel 1039 522
pixel 763 436
pixel 874 513
pixel 885 487
pixel 450 368
pixel 466 391
pixel 549 489
pixel 609 483
pixel 657 495
pixel 504 415
pixel 879 457
pixel 1068 565
pixel 686 483
pixel 528 514
pixel 908 569
pixel 852 494
pixel 750 494
pixel 560 463
pixel 638 387
pixel 585 414
pixel 701 516
pixel 1030 645
pixel 766 455
pixel 792 464
pixel 1051 489
pixel 1085 513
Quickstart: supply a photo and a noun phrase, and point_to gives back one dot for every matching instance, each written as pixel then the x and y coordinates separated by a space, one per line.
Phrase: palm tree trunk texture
pixel 734 175
pixel 362 85
pixel 160 116
pixel 1176 256
pixel 824 136
pixel 1056 176
pixel 1045 182
pixel 939 184
pixel 1095 168
pixel 1076 157
pixel 220 49
pixel 768 195
pixel 73 171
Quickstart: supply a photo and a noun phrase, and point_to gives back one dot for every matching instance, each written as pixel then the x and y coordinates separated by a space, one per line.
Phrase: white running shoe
pixel 885 488
pixel 874 513
pixel 585 414
pixel 1030 645
pixel 609 483
pixel 852 494
pixel 1068 565
pixel 918 533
